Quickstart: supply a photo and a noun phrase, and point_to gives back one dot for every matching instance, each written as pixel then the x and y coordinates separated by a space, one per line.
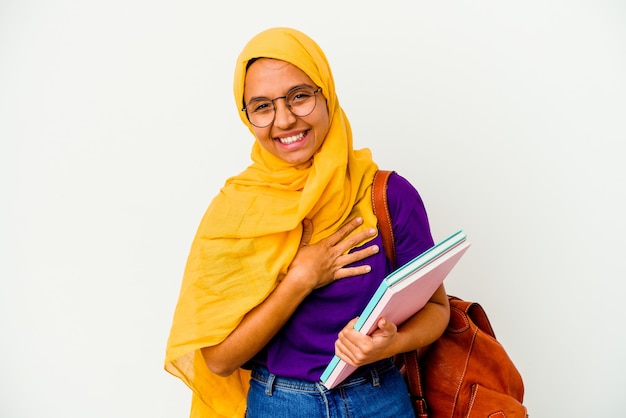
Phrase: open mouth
pixel 291 139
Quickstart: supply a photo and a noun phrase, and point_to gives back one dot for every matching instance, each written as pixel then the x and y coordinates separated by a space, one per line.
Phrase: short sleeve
pixel 411 228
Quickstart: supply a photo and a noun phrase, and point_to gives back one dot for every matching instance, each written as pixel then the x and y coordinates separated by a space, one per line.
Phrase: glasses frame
pixel 315 91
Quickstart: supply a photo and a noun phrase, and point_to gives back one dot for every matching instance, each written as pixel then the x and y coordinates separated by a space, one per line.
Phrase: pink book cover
pixel 397 303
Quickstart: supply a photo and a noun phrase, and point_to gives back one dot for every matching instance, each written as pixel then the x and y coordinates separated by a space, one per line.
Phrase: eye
pixel 260 106
pixel 300 95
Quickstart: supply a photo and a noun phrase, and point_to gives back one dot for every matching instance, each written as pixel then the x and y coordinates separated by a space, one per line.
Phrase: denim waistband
pixel 364 374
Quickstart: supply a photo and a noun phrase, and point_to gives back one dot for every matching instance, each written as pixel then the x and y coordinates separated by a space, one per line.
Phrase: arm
pixel 412 235
pixel 313 266
pixel 420 330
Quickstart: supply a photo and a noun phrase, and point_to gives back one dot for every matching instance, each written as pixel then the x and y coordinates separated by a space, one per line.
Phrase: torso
pixel 305 345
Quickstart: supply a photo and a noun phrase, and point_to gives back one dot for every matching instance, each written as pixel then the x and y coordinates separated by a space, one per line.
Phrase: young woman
pixel 287 256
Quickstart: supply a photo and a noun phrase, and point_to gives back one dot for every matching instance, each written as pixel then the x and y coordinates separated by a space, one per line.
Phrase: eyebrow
pixel 299 86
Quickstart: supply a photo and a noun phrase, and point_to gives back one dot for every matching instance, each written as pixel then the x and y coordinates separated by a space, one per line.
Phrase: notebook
pixel 402 294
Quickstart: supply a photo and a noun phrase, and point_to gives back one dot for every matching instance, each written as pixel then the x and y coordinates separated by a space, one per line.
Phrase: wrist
pixel 295 286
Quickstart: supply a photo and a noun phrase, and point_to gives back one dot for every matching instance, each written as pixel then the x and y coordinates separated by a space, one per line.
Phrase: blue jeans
pixel 380 393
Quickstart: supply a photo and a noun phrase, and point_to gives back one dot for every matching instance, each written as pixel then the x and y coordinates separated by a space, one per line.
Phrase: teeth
pixel 291 139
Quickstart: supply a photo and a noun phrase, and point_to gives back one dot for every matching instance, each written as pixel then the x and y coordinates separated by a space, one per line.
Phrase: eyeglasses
pixel 300 101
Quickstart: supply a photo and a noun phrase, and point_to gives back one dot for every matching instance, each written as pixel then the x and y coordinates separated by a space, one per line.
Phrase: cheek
pixel 322 120
pixel 260 134
pixel 324 125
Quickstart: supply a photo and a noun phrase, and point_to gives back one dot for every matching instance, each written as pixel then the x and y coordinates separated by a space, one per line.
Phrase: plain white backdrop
pixel 118 126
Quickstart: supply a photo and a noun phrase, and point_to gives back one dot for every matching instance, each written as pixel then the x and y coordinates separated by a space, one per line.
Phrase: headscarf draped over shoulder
pixel 252 228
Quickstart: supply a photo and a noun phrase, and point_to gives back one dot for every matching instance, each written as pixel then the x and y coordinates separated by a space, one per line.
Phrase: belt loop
pixel 270 384
pixel 375 378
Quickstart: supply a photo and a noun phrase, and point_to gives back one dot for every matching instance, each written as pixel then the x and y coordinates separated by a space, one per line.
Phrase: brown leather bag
pixel 466 373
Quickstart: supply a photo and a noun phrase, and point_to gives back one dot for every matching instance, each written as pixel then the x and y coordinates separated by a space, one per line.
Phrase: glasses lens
pixel 260 112
pixel 301 101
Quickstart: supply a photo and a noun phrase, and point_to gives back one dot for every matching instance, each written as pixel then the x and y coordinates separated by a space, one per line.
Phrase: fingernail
pixel 373 231
pixel 375 248
pixel 368 269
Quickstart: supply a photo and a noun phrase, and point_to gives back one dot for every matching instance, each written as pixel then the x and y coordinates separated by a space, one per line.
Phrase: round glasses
pixel 300 101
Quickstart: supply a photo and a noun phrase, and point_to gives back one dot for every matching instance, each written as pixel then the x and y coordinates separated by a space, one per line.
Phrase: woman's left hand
pixel 358 349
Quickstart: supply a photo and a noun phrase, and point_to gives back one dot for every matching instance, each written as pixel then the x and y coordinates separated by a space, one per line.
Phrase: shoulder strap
pixel 381 210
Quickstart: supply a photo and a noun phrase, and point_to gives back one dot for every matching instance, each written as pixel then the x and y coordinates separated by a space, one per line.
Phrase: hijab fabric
pixel 252 229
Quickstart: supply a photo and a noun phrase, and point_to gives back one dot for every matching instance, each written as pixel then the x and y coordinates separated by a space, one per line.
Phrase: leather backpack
pixel 466 373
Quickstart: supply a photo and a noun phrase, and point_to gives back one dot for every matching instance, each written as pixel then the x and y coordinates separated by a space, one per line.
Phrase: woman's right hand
pixel 316 265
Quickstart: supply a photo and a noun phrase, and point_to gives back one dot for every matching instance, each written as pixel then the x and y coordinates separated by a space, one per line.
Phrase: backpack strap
pixel 381 210
pixel 406 362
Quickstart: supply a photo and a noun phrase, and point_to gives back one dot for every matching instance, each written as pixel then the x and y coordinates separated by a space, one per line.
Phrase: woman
pixel 287 255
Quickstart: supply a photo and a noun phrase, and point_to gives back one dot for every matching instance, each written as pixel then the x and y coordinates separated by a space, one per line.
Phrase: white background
pixel 118 125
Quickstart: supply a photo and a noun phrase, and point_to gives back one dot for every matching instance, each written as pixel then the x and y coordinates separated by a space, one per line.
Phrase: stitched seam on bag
pixel 472 399
pixel 458 389
pixel 485 323
pixel 382 192
pixel 419 381
pixel 390 226
pixel 465 319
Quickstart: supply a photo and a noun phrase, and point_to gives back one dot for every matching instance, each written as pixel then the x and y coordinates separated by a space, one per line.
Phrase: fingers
pixel 343 241
pixel 351 324
pixel 342 236
pixel 347 242
pixel 325 261
pixel 352 353
pixel 345 346
pixel 345 272
pixel 359 255
pixel 347 259
pixel 345 230
pixel 356 239
pixel 386 327
pixel 358 349
pixel 307 232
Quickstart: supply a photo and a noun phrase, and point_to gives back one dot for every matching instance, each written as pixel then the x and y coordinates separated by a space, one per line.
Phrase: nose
pixel 283 116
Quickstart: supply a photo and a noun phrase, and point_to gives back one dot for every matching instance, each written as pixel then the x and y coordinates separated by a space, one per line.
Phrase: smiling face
pixel 291 138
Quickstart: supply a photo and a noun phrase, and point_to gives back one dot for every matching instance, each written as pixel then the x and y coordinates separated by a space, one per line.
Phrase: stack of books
pixel 402 294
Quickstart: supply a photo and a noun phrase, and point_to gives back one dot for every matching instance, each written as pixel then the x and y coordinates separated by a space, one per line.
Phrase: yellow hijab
pixel 252 229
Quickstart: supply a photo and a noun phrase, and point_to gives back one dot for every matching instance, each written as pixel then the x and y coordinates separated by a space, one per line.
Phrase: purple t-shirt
pixel 305 345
